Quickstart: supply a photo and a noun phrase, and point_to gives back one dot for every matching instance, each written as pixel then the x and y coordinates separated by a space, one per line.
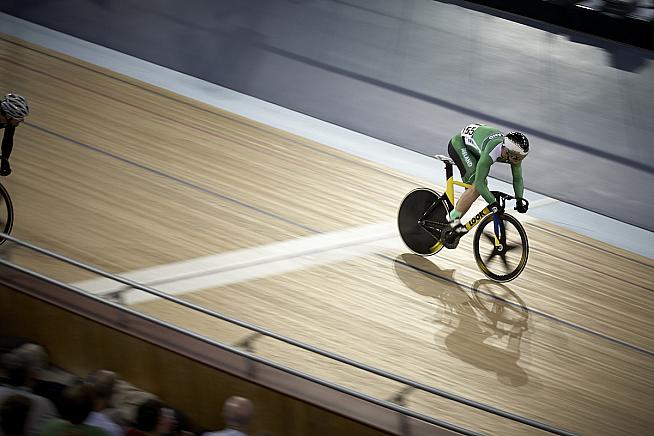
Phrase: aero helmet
pixel 516 143
pixel 14 106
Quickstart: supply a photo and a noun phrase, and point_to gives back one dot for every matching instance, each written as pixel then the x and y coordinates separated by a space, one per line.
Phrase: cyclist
pixel 474 150
pixel 13 110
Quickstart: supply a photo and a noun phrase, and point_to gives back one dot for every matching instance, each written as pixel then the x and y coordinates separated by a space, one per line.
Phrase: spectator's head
pixel 18 369
pixel 13 415
pixel 238 412
pixel 76 403
pixel 102 385
pixel 153 417
pixel 35 355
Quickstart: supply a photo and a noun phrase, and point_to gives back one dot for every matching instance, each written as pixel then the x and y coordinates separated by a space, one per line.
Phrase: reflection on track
pixel 484 323
pixel 433 270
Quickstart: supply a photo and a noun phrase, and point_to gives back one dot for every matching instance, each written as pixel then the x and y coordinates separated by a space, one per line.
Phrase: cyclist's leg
pixel 466 200
pixel 466 163
pixel 464 160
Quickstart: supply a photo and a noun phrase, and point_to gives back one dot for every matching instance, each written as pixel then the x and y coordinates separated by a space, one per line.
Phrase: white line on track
pixel 258 262
pixel 253 263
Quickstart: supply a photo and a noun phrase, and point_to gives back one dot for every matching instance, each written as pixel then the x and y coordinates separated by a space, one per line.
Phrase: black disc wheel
pixel 501 251
pixel 6 213
pixel 421 219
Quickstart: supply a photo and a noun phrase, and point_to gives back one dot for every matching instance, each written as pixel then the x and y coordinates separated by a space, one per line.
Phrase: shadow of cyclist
pixel 483 325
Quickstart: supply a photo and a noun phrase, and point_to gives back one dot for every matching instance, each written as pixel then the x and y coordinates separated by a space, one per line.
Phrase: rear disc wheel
pixel 412 210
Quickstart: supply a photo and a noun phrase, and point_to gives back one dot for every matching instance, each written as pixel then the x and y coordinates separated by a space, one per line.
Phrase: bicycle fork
pixel 499 232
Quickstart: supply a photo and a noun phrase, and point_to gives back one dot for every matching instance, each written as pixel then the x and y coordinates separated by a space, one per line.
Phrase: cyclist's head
pixel 516 144
pixel 14 106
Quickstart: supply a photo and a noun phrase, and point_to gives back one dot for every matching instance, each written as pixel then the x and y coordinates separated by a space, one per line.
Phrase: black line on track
pixel 579 241
pixel 234 119
pixel 179 180
pixel 592 269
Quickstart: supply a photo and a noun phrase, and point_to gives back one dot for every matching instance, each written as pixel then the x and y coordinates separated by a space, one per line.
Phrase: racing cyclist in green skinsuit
pixel 474 150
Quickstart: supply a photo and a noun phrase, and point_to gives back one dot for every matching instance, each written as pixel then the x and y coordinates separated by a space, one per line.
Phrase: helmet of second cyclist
pixel 14 106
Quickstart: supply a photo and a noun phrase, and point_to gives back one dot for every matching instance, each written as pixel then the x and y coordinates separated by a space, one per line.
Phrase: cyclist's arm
pixel 7 141
pixel 518 184
pixel 481 173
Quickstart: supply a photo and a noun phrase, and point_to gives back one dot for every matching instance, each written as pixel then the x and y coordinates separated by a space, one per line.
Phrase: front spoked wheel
pixel 6 213
pixel 501 247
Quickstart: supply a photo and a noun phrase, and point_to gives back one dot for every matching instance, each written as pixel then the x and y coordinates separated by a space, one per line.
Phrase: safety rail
pixel 333 356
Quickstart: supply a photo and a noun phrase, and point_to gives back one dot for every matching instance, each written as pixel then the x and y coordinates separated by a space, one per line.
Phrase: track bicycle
pixel 6 213
pixel 500 243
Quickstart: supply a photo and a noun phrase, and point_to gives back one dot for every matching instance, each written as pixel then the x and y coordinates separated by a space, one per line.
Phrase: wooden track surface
pixel 122 175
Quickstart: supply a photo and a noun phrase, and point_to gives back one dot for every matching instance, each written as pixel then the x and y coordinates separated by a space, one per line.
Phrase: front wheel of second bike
pixel 501 247
pixel 6 213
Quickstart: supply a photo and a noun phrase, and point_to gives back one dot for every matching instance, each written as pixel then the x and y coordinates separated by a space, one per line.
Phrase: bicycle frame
pixel 424 228
pixel 449 192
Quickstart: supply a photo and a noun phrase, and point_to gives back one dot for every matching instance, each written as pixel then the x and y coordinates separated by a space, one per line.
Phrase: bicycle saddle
pixel 445 159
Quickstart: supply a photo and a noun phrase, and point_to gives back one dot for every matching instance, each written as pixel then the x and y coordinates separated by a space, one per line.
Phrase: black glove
pixel 521 205
pixel 5 169
pixel 494 207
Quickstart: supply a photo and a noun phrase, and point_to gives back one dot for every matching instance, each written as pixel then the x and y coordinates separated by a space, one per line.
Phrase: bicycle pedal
pixel 451 245
pixel 450 238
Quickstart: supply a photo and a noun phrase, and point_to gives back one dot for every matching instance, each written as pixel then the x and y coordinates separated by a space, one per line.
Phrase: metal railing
pixel 333 356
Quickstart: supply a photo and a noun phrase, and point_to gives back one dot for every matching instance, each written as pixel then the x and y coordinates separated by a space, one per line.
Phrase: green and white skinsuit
pixel 474 150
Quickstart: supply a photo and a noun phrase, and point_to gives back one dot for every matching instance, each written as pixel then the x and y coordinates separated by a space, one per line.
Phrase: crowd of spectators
pixel 37 399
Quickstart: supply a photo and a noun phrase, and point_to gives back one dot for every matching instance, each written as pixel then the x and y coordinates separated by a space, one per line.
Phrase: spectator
pixel 19 381
pixel 238 413
pixel 125 401
pixel 46 382
pixel 153 419
pixel 77 403
pixel 102 385
pixel 13 415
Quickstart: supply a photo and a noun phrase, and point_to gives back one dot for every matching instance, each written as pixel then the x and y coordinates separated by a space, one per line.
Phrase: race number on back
pixel 467 135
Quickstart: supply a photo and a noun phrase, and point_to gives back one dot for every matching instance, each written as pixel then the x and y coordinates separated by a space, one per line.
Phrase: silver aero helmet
pixel 14 106
pixel 516 143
